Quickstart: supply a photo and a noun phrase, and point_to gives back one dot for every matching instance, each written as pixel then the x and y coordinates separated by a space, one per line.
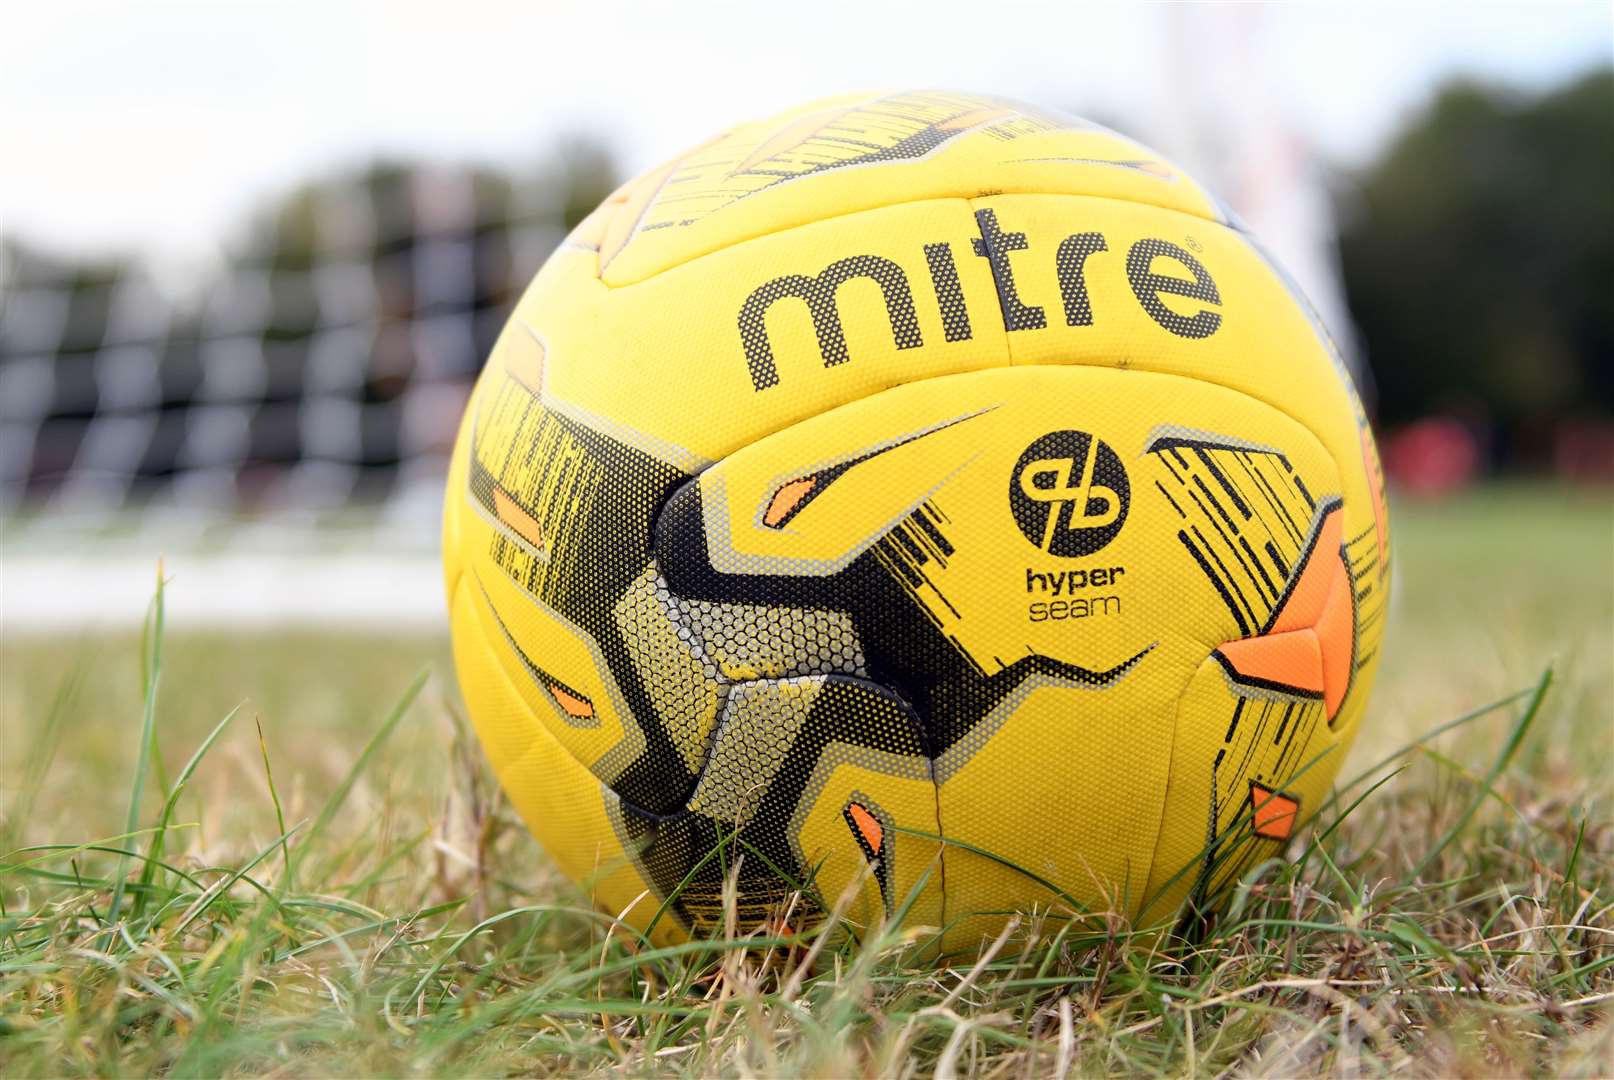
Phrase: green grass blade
pixel 1423 740
pixel 160 834
pixel 1515 737
pixel 229 882
pixel 274 796
pixel 360 763
pixel 151 677
pixel 40 755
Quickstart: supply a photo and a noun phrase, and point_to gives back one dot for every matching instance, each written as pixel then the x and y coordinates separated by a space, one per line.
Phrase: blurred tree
pixel 585 173
pixel 1478 256
pixel 358 307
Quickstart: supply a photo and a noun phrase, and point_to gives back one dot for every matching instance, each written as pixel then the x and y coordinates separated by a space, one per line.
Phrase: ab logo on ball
pixel 1069 493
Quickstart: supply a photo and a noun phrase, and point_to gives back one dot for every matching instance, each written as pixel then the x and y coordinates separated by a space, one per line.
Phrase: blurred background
pixel 252 255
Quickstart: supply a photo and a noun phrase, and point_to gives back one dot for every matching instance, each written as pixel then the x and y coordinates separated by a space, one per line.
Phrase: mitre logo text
pixel 820 292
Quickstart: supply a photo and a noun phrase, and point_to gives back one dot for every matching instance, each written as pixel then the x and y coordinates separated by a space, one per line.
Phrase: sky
pixel 155 127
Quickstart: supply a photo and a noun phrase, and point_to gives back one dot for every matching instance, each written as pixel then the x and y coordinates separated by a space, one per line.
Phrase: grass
pixel 312 874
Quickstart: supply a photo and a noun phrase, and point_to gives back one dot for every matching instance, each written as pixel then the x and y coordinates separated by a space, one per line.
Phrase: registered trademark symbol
pixel 1194 245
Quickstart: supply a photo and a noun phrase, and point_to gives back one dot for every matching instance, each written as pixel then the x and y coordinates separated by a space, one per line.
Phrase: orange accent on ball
pixel 1292 658
pixel 868 825
pixel 574 706
pixel 516 516
pixel 1309 646
pixel 1275 815
pixel 787 499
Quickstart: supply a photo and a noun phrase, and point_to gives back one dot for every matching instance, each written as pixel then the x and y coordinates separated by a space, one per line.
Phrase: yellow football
pixel 928 502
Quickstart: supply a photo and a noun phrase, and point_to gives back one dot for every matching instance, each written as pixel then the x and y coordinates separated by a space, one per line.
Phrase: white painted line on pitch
pixel 54 594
